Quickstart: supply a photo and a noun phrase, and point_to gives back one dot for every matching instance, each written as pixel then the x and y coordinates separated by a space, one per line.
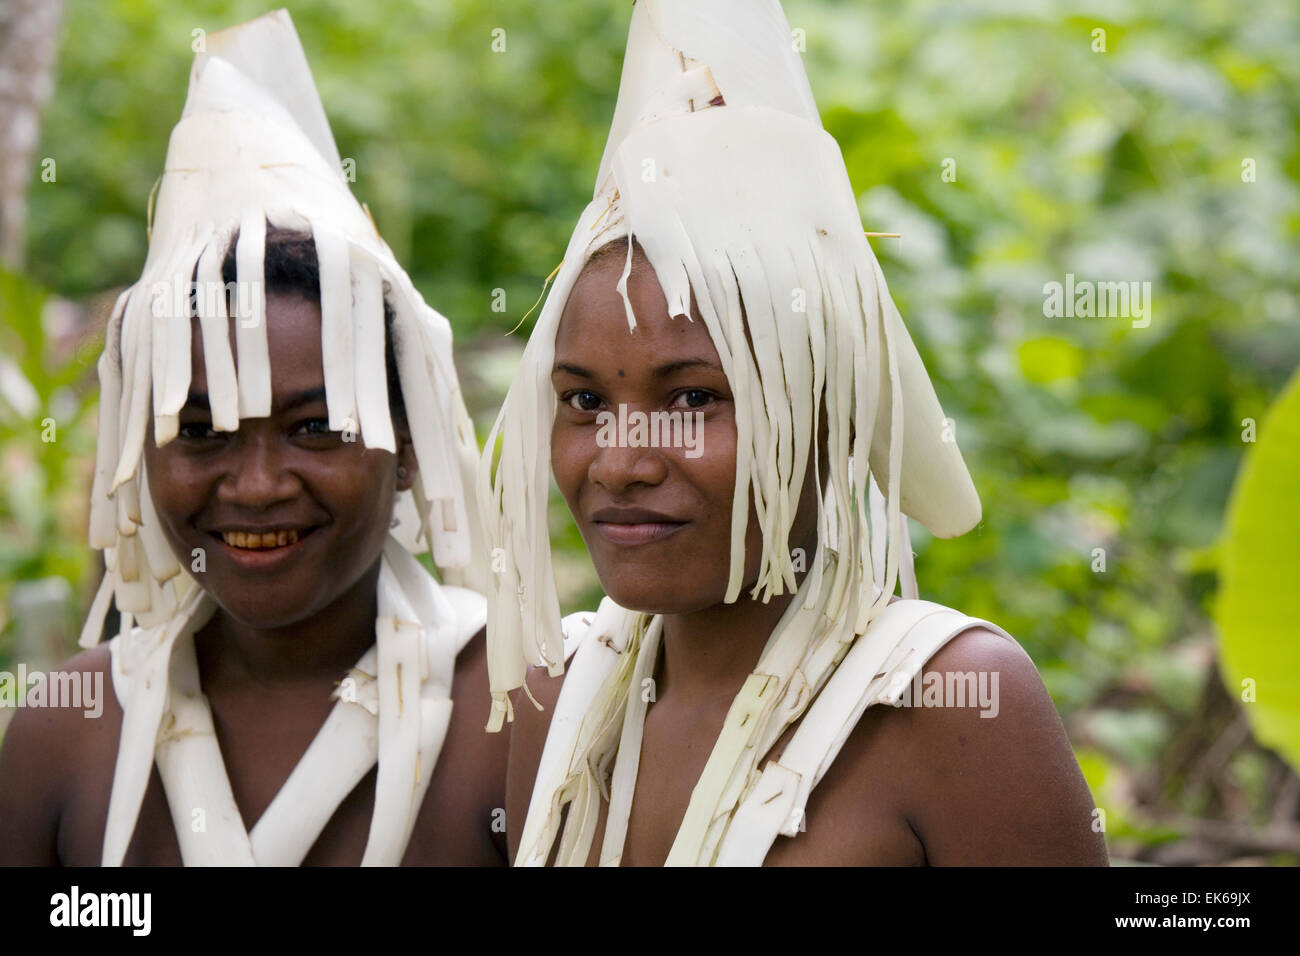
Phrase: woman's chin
pixel 260 614
pixel 657 598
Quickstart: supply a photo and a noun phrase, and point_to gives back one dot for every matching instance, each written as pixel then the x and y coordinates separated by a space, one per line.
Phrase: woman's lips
pixel 262 551
pixel 637 533
pixel 256 540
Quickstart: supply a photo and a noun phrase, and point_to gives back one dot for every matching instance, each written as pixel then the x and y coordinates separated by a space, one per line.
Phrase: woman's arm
pixel 42 757
pixel 29 775
pixel 1002 789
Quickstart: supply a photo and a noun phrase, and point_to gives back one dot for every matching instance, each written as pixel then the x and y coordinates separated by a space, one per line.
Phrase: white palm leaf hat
pixel 253 149
pixel 718 165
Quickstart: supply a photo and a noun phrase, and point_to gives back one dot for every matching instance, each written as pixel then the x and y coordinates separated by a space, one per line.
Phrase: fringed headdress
pixel 253 151
pixel 253 148
pixel 718 166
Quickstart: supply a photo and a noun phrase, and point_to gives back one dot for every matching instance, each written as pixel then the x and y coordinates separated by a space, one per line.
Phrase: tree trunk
pixel 29 31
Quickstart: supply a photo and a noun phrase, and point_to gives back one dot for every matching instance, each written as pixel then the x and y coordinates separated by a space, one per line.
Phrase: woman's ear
pixel 407 464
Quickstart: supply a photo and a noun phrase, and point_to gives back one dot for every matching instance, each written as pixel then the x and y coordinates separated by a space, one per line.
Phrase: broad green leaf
pixel 1259 605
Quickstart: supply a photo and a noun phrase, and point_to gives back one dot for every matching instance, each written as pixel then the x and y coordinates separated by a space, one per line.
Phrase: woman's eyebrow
pixel 305 397
pixel 577 370
pixel 665 370
pixel 662 371
pixel 199 400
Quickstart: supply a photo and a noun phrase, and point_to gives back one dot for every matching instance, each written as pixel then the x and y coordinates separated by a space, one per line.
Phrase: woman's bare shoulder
pixel 73 698
pixel 981 766
pixel 66 743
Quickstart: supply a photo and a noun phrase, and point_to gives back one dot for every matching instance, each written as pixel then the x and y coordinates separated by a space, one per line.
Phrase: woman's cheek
pixel 366 490
pixel 568 461
pixel 171 484
pixel 716 462
pixel 721 462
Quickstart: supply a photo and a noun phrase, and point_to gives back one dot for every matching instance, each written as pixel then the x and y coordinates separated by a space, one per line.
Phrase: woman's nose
pixel 619 465
pixel 257 475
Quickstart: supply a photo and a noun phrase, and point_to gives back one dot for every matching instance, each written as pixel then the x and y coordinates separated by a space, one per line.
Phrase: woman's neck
pixel 707 655
pixel 317 648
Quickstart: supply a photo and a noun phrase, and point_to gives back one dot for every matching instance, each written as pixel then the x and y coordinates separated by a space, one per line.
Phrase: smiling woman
pixel 723 694
pixel 256 499
pixel 666 365
pixel 297 678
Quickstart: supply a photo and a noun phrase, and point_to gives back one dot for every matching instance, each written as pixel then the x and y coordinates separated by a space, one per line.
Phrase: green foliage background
pixel 1081 433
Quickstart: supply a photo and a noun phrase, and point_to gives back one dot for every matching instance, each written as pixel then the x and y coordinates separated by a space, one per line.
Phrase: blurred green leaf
pixel 1259 606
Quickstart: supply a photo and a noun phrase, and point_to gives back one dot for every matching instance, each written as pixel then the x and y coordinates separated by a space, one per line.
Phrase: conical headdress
pixel 253 149
pixel 717 164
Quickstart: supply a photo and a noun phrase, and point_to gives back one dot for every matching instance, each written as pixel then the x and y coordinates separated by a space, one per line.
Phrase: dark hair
pixel 616 248
pixel 290 266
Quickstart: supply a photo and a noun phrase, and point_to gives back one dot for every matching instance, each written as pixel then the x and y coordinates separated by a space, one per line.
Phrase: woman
pixel 297 677
pixel 721 694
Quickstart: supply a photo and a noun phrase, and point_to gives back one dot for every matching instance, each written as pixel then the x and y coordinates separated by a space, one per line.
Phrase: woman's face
pixel 656 520
pixel 288 515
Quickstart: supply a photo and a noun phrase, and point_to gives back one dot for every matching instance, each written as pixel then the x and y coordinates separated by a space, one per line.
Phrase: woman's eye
pixel 197 431
pixel 314 427
pixel 694 397
pixel 582 401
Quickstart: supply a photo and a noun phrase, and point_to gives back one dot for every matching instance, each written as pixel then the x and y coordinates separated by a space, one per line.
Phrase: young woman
pixel 289 684
pixel 722 693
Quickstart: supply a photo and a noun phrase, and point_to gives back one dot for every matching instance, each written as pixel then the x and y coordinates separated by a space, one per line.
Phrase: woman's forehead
pixel 293 340
pixel 594 321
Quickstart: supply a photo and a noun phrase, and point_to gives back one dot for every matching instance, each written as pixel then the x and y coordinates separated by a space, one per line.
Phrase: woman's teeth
pixel 256 540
